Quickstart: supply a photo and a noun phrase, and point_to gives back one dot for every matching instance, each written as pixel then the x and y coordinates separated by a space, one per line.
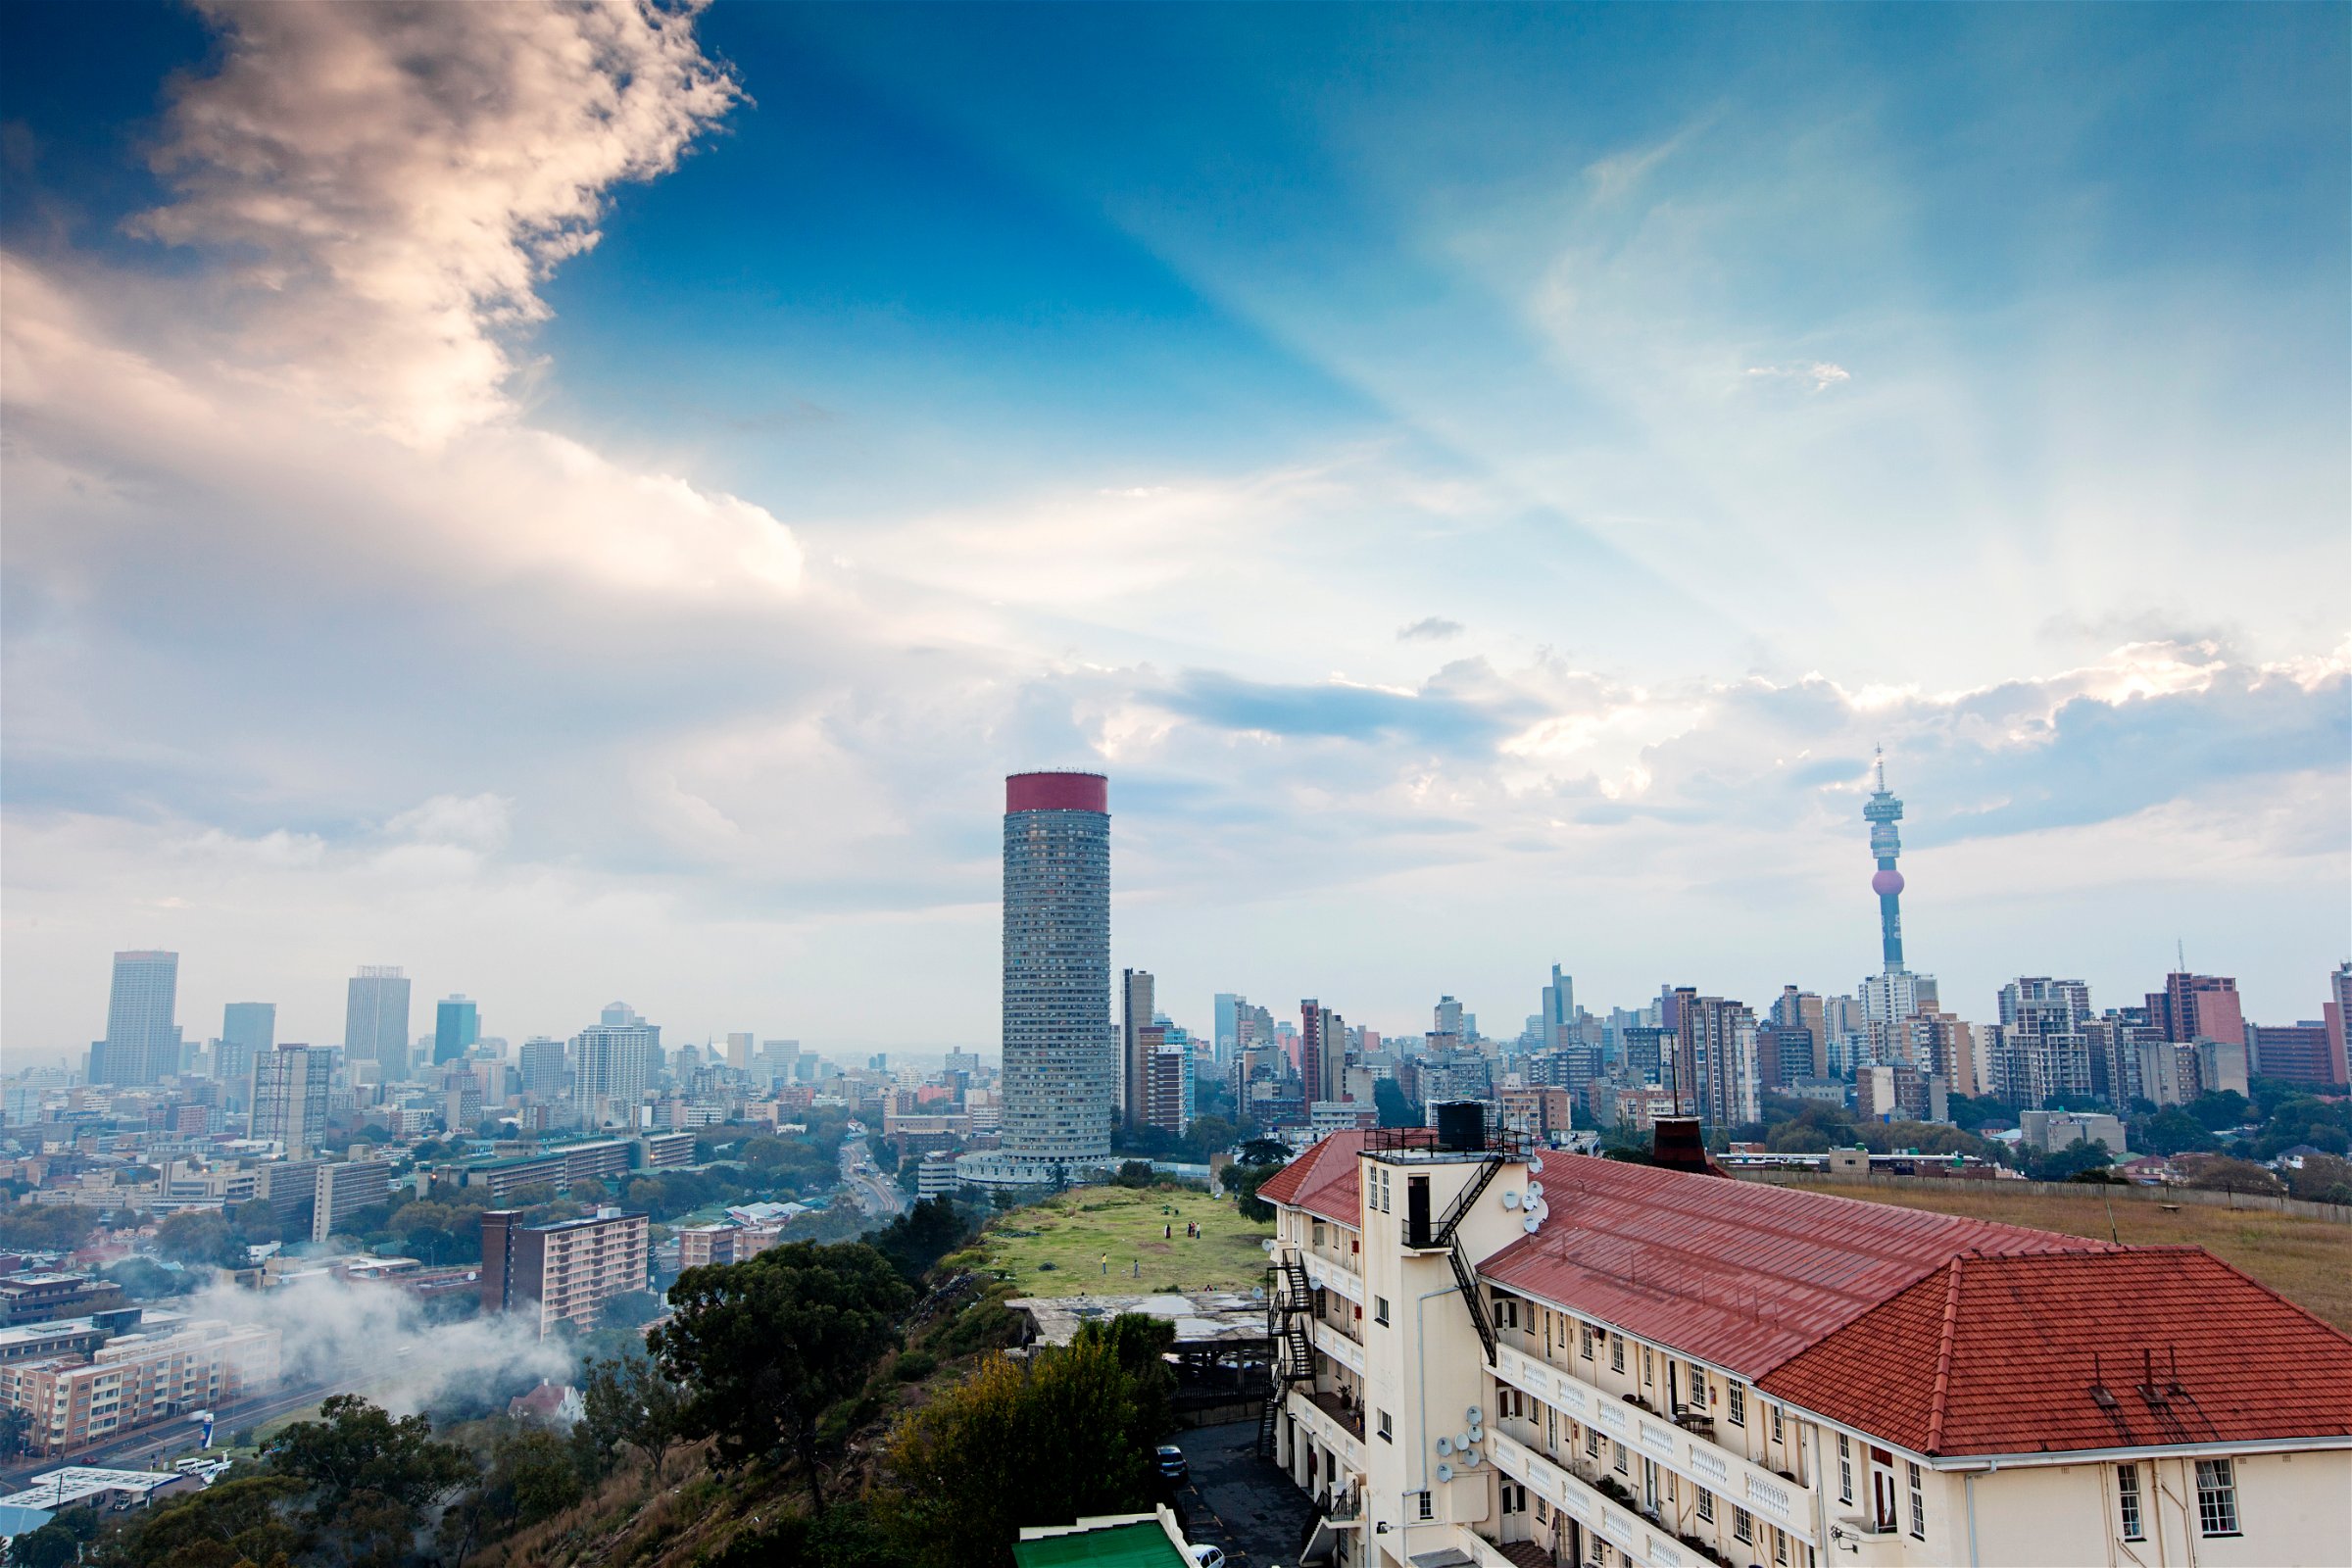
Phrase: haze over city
pixel 1481 485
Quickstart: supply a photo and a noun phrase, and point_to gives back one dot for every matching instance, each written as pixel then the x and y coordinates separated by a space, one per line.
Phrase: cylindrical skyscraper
pixel 1061 1059
pixel 1882 813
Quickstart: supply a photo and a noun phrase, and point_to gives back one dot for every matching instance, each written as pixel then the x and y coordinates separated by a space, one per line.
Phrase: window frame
pixel 1704 1506
pixel 1616 1353
pixel 1845 1468
pixel 1744 1525
pixel 2217 1500
pixel 1380 1310
pixel 1382 1426
pixel 2129 1506
pixel 1917 1487
pixel 1734 1409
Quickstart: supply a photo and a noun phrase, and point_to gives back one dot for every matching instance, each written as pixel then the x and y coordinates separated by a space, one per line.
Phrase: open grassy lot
pixel 1057 1248
pixel 2309 1261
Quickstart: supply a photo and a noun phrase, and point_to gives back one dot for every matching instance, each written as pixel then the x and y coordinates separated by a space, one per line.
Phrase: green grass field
pixel 1057 1248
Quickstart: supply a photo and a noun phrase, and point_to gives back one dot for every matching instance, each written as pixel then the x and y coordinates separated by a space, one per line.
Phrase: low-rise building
pixel 78 1398
pixel 1487 1356
pixel 45 1297
pixel 2046 1132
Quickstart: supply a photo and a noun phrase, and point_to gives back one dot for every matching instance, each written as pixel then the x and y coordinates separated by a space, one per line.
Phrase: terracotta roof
pixel 1739 1274
pixel 2005 1356
pixel 1323 1180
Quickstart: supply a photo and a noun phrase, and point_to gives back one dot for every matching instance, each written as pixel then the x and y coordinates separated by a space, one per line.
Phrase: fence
pixel 2198 1197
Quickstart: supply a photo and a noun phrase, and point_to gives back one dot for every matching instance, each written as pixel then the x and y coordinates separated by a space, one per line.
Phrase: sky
pixel 588 502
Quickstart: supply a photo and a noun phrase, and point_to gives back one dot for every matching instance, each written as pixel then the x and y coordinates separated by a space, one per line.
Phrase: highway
pixel 155 1445
pixel 876 1194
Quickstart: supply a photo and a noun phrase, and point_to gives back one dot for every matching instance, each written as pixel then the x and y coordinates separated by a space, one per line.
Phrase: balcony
pixel 1689 1450
pixel 1642 1541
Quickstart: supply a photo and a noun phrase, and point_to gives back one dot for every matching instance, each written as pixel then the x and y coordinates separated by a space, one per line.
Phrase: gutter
pixel 1985 1464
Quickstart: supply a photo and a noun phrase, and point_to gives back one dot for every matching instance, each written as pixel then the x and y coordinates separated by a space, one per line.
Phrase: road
pixel 154 1446
pixel 876 1194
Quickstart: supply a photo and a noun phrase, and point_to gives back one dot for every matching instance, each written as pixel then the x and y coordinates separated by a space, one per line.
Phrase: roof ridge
pixel 1944 1353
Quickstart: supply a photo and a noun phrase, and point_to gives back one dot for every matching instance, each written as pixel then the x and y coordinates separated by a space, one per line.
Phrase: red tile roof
pixel 1323 1180
pixel 2006 1354
pixel 1737 1274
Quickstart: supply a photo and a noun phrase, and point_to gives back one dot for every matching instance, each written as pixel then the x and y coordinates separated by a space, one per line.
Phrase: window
pixel 1318 1232
pixel 1645 1366
pixel 1384 1428
pixel 1776 1423
pixel 1592 1442
pixel 1919 1502
pixel 1584 1335
pixel 1780 1547
pixel 1617 1459
pixel 1845 1468
pixel 1706 1506
pixel 2127 1496
pixel 1379 1309
pixel 2217 1498
pixel 1427 1510
pixel 1736 1403
pixel 1616 1353
pixel 1743 1524
pixel 1542 1511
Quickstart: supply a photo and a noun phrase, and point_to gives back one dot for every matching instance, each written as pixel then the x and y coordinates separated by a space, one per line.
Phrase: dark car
pixel 1171 1463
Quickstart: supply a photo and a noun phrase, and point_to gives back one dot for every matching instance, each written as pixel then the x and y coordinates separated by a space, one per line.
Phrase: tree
pixel 238 1520
pixel 923 1235
pixel 765 1346
pixel 200 1236
pixel 2235 1176
pixel 2216 1110
pixel 1242 1182
pixel 53 1545
pixel 16 1426
pixel 2075 1158
pixel 2322 1179
pixel 369 1477
pixel 2170 1130
pixel 1063 1435
pixel 628 1403
pixel 256 1221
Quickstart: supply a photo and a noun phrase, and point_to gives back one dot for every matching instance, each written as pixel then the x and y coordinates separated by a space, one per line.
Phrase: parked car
pixel 1209 1556
pixel 1171 1463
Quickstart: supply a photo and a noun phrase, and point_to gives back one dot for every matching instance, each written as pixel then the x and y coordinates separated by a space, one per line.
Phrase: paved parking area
pixel 1236 1500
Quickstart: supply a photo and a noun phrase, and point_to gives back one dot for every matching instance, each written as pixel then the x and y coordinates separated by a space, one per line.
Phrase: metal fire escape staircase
pixel 1448 1238
pixel 1290 1301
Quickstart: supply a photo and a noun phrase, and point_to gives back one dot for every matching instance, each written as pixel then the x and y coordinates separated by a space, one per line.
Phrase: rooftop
pixel 2048 1353
pixel 1201 1317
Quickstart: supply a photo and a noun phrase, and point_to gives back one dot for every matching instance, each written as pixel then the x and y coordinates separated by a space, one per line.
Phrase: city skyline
pixel 1484 508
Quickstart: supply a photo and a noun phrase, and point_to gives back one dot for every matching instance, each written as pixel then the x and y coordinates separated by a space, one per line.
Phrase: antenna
pixel 2180 955
pixel 1879 767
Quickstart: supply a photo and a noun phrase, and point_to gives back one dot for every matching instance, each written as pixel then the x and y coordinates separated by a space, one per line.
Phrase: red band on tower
pixel 1056 792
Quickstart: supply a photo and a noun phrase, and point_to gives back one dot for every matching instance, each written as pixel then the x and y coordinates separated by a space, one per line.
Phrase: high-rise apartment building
pixel 248 1032
pixel 1167 1083
pixel 1227 1005
pixel 1322 1051
pixel 566 1270
pixel 739 1051
pixel 2043 1048
pixel 618 1060
pixel 142 1043
pixel 2337 1018
pixel 375 1020
pixel 456 1025
pixel 344 1188
pixel 1136 1004
pixel 2198 1007
pixel 1715 1052
pixel 290 1096
pixel 1061 1066
pixel 1558 1017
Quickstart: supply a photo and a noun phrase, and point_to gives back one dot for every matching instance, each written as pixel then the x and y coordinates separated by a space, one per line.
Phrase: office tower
pixel 543 1072
pixel 290 1095
pixel 618 1061
pixel 2198 1007
pixel 248 1032
pixel 142 1043
pixel 375 1020
pixel 1227 1021
pixel 1135 1017
pixel 1060 1062
pixel 456 1025
pixel 739 1051
pixel 1322 1051
pixel 1558 1017
pixel 779 1061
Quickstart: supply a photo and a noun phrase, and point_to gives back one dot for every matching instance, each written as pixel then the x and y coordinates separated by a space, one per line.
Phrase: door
pixel 1881 1498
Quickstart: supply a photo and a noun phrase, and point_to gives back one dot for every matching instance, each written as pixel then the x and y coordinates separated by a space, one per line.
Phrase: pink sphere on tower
pixel 1887 881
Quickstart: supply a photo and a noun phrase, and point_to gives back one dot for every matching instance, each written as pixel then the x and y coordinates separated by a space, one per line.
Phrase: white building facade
pixel 1668 1369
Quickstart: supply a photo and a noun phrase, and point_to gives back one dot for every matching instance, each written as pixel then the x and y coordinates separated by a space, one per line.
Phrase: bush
pixel 916 1365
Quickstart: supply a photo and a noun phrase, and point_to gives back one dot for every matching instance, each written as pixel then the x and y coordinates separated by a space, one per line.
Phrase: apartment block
pixel 1486 1355
pixel 46 1297
pixel 564 1270
pixel 78 1399
pixel 346 1188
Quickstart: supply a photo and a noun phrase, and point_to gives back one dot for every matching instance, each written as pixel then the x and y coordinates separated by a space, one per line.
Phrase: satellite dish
pixel 1510 1200
pixel 1541 1211
pixel 1469 1461
pixel 1535 1189
pixel 1462 1442
pixel 1267 1244
pixel 1529 1224
pixel 1475 1415
pixel 1445 1472
pixel 1535 1162
pixel 1445 1444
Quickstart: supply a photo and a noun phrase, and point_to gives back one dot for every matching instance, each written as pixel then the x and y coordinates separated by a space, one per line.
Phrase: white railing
pixel 1337 1345
pixel 1333 1277
pixel 1629 1532
pixel 1766 1494
pixel 1328 1431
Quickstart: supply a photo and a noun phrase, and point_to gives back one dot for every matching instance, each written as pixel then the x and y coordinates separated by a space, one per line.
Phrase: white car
pixel 1209 1556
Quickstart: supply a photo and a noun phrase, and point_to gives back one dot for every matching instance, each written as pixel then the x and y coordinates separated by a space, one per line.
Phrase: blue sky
pixel 590 503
